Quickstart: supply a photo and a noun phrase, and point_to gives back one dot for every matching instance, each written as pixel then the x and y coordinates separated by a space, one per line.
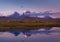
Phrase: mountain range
pixel 29 14
pixel 33 14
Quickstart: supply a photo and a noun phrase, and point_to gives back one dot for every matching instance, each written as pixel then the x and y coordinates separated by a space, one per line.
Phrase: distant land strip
pixel 28 23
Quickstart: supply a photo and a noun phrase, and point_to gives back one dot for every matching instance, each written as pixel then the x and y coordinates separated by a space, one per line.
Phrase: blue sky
pixel 9 6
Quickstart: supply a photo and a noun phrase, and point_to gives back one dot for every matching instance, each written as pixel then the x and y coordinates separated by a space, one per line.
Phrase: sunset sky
pixel 9 6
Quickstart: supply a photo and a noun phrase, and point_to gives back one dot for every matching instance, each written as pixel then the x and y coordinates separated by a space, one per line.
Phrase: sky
pixel 7 7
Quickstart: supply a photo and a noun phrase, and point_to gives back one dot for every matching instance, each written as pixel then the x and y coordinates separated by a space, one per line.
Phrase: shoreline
pixel 24 28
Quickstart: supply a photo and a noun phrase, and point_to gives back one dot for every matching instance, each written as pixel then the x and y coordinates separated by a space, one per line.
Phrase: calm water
pixel 49 34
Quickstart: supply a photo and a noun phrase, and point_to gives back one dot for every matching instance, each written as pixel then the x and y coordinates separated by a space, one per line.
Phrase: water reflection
pixel 28 33
pixel 44 34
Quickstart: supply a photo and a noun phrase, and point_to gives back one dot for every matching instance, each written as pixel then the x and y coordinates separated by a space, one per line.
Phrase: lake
pixel 45 34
